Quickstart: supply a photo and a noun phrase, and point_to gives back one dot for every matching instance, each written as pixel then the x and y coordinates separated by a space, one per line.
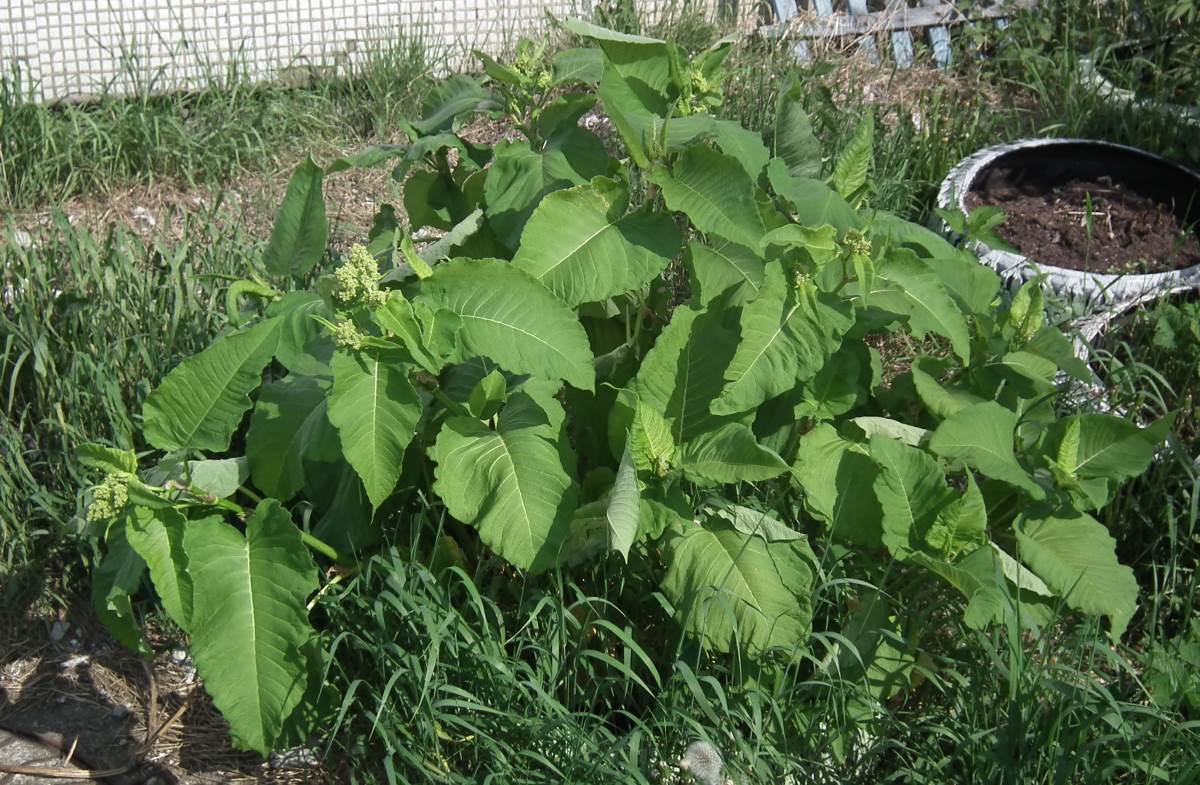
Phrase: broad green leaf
pixel 249 619
pixel 580 64
pixel 369 156
pixel 715 193
pixel 975 287
pixel 911 435
pixel 219 478
pixel 729 454
pixel 744 145
pixel 564 111
pixel 397 317
pixel 1102 446
pixel 650 442
pixel 304 345
pixel 495 70
pixel 624 507
pixel 942 401
pixel 788 333
pixel 200 404
pixel 289 424
pixel 930 307
pixel 521 176
pixel 581 244
pixel 375 410
pixel 795 143
pixel 113 581
pixel 1027 313
pixel 109 460
pixel 636 57
pixel 756 522
pixel 814 202
pixel 720 266
pixel 854 162
pixel 458 236
pixel 912 491
pixel 452 98
pixel 735 591
pixel 1076 557
pixel 917 238
pixel 834 474
pixel 512 319
pixel 301 229
pixel 487 396
pixel 587 536
pixel 681 375
pixel 157 536
pixel 347 520
pixel 836 389
pixel 961 524
pixel 514 484
pixel 637 113
pixel 981 435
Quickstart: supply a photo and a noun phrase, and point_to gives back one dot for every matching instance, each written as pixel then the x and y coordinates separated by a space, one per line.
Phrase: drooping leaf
pixel 113 582
pixel 981 435
pixel 961 524
pixel 301 229
pixel 107 459
pixel 759 523
pixel 716 194
pixel 638 58
pixel 975 287
pixel 735 591
pixel 200 404
pixel 375 410
pixel 912 435
pixel 941 400
pixel 837 387
pixel 795 143
pixel 681 375
pixel 289 424
pixel 650 443
pixel 624 507
pixel 930 307
pixel 741 144
pixel 521 176
pixel 581 244
pixel 854 162
pixel 304 345
pixel 487 397
pixel 216 477
pixel 1076 557
pixel 788 333
pixel 720 266
pixel 833 473
pixel 157 536
pixel 580 64
pixel 512 319
pixel 912 492
pixel 813 202
pixel 728 454
pixel 249 619
pixel 457 96
pixel 1103 446
pixel 514 484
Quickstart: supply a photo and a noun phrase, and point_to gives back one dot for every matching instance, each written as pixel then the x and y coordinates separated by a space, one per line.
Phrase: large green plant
pixel 599 355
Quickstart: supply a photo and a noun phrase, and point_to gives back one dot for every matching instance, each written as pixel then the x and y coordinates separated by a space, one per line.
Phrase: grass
pixel 50 153
pixel 473 674
pixel 93 323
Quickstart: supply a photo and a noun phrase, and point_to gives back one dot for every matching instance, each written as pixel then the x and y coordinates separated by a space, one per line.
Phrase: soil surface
pixel 67 687
pixel 1128 232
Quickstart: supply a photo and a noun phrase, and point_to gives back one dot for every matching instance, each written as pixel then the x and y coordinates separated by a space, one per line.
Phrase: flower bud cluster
pixel 347 336
pixel 358 279
pixel 108 499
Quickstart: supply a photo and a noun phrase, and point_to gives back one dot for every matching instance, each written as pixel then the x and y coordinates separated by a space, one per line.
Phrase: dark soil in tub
pixel 1094 224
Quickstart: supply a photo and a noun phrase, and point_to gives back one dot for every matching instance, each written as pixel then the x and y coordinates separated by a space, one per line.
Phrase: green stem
pixel 445 400
pixel 320 546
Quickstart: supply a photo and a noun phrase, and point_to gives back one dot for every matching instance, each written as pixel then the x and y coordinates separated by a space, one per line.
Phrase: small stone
pixel 295 758
pixel 144 216
pixel 59 630
pixel 180 657
pixel 60 700
pixel 74 662
pixel 74 644
pixel 120 712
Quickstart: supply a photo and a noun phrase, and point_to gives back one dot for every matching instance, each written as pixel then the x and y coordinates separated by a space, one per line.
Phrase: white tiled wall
pixel 68 49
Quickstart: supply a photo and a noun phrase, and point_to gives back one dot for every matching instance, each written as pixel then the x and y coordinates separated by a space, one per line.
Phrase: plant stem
pixel 320 546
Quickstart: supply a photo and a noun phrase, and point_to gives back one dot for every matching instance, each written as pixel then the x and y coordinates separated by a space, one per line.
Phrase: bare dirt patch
pixel 64 682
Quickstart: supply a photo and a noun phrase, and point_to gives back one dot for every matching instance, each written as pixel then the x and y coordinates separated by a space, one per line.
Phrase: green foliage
pixel 541 384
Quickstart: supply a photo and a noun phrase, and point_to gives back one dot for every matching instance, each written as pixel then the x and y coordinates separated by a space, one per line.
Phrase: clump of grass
pixel 49 153
pixel 88 325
